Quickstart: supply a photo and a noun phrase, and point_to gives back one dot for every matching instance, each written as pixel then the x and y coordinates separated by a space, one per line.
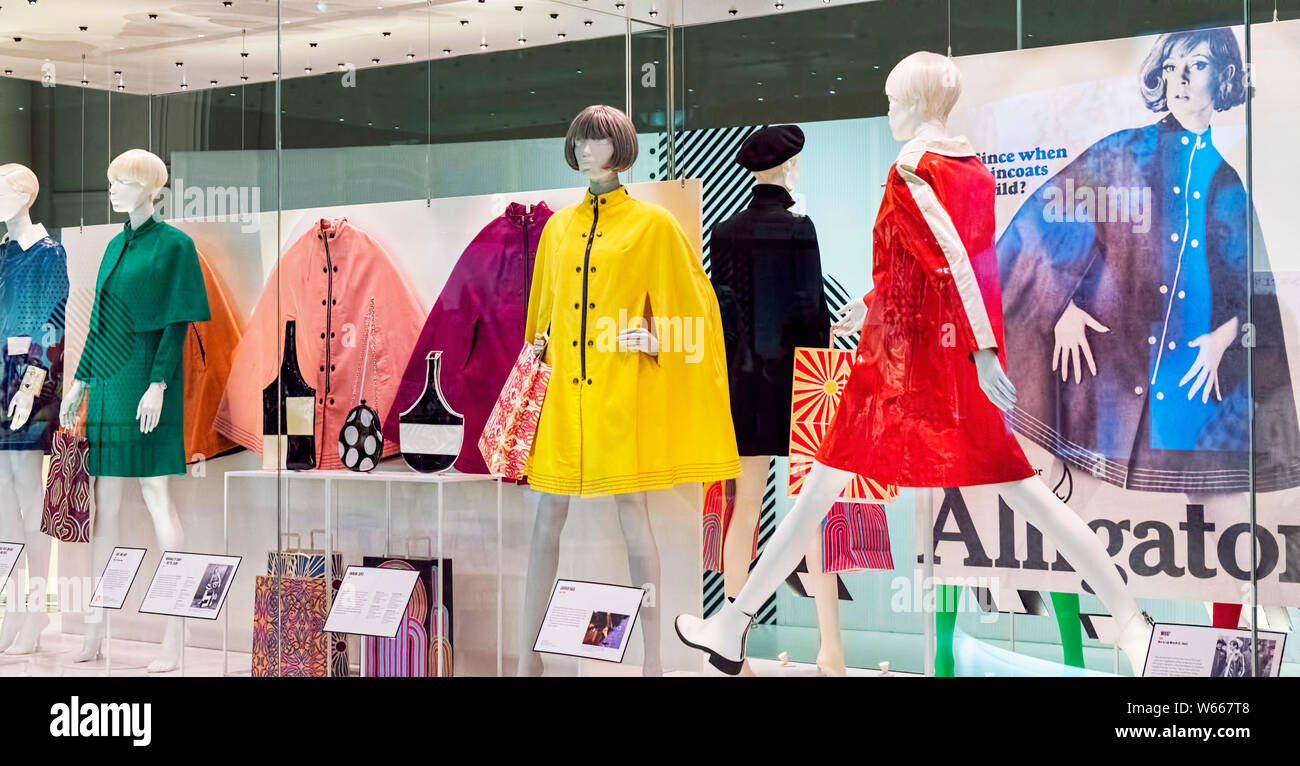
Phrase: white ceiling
pixel 208 36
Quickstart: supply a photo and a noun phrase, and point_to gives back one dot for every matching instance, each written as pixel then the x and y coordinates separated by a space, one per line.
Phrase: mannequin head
pixel 134 178
pixel 601 143
pixel 18 189
pixel 786 174
pixel 923 87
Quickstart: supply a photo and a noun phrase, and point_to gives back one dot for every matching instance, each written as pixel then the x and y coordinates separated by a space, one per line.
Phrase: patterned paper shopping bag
pixel 819 378
pixel 508 436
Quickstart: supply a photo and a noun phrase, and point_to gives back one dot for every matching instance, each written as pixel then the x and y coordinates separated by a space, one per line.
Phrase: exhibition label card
pixel 589 619
pixel 1204 651
pixel 9 553
pixel 372 601
pixel 118 577
pixel 190 585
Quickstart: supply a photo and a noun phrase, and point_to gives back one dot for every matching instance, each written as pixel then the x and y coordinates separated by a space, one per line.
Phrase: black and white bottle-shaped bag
pixel 289 413
pixel 431 431
pixel 361 444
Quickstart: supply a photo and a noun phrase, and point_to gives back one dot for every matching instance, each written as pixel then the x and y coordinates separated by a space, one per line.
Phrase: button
pixel 577 269
pixel 1151 340
pixel 600 234
pixel 591 305
pixel 1160 395
pixel 1177 189
pixel 324 269
pixel 1185 140
pixel 602 200
pixel 1173 237
pixel 577 306
pixel 334 301
pixel 1137 390
pixel 322 368
pixel 1172 345
pixel 1164 289
pixel 1182 294
pixel 589 381
pixel 575 343
pixel 1196 243
pixel 591 343
pixel 332 368
pixel 575 380
pixel 593 269
pixel 322 336
pixel 331 335
pixel 1196 195
pixel 1200 142
pixel 322 302
pixel 331 400
pixel 584 235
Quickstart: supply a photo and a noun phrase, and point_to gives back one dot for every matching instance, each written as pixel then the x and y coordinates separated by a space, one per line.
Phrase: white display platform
pixel 331 479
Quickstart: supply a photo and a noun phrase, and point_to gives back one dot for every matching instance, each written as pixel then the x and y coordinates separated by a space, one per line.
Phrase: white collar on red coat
pixel 932 136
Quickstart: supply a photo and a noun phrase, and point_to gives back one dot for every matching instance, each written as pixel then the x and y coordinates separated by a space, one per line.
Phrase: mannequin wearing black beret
pixel 766 270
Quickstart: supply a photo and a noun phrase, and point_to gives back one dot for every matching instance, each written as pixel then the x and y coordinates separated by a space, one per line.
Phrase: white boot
pixel 722 636
pixel 29 638
pixel 1134 640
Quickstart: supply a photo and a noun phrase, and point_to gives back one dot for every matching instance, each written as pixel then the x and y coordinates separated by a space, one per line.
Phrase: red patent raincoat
pixel 913 413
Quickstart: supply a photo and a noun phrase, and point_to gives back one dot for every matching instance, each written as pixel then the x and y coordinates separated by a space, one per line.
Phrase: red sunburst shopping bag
pixel 819 378
pixel 855 534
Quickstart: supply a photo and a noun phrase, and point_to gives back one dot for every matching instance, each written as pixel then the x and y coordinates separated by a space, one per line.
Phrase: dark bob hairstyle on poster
pixel 1225 61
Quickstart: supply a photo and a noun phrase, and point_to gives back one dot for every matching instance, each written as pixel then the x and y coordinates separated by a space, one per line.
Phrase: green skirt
pixel 117 448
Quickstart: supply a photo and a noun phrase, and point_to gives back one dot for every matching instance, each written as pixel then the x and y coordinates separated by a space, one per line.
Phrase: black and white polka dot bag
pixel 361 443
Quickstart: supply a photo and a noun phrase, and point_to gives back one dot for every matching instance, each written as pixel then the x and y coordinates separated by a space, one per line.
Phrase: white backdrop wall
pixel 426 238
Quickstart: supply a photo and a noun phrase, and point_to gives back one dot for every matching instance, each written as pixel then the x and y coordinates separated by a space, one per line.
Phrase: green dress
pixel 150 287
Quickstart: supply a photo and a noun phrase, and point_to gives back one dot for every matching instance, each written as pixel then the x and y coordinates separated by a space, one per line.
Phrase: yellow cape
pixel 618 421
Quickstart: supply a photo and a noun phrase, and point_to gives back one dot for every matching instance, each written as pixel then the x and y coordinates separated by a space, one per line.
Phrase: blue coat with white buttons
pixel 1147 231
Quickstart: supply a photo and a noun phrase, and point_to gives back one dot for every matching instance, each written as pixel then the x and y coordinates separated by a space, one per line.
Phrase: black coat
pixel 767 272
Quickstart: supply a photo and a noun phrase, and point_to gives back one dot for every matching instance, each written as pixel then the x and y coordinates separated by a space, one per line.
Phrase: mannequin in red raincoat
pixel 923 405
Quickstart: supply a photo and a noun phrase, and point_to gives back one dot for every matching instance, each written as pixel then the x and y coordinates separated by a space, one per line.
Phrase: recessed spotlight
pixel 342 66
pixel 779 5
pixel 523 40
pixel 410 56
pixel 184 86
pixel 446 51
pixel 152 16
pixel 653 13
pixel 84 81
pixel 18 39
pixel 561 35
pixel 374 61
pixel 732 11
pixel 387 34
pixel 121 86
pixel 212 82
pixel 483 45
pixel 306 70
pixel 117 72
pixel 555 15
pixel 620 6
pixel 244 77
pixel 311 45
pixel 83 29
pixel 8 72
pixel 519 7
pixel 464 22
pixel 180 64
pixel 587 23
pixel 226 3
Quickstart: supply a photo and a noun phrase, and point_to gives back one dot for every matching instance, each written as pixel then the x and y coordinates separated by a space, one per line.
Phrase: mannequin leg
pixel 824 588
pixel 543 563
pixel 738 545
pixel 11 530
pixel 1066 607
pixel 643 565
pixel 945 626
pixel 108 508
pixel 1080 545
pixel 167 528
pixel 26 472
pixel 722 636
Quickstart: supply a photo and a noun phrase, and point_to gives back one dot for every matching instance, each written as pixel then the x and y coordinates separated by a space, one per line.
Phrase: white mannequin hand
pixel 1205 369
pixel 150 408
pixel 994 382
pixel 539 345
pixel 1071 339
pixel 20 408
pixel 638 339
pixel 71 403
pixel 851 317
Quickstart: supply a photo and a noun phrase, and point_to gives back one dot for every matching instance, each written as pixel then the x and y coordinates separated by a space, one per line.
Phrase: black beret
pixel 768 147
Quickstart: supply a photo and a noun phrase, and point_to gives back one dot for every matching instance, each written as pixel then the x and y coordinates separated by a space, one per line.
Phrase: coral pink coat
pixel 326 282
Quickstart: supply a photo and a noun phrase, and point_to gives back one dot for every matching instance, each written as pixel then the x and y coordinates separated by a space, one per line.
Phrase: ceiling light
pixel 446 51
pixel 410 56
pixel 306 70
pixel 374 61
pixel 561 35
pixel 587 23
pixel 523 40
